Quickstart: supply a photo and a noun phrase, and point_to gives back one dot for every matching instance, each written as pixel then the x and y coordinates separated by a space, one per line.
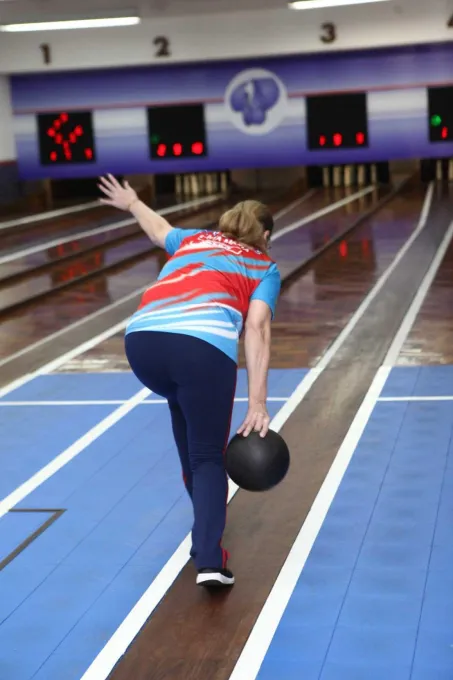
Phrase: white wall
pixel 7 144
pixel 226 36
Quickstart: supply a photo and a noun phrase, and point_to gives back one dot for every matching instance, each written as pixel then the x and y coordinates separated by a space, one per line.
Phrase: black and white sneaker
pixel 215 578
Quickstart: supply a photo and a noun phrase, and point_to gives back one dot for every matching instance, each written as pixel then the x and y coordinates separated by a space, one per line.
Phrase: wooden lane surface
pixel 31 325
pixel 39 232
pixel 68 251
pixel 194 635
pixel 109 253
pixel 313 310
pixel 430 340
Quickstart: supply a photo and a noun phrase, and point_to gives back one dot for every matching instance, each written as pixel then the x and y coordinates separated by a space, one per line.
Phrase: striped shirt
pixel 206 287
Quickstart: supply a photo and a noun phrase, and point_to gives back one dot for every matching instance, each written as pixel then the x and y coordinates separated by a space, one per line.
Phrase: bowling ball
pixel 257 463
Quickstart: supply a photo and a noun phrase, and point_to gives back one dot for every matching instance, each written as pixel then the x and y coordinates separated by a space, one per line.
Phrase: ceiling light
pixel 66 25
pixel 318 4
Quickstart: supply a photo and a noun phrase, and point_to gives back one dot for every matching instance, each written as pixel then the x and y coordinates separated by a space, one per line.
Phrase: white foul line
pixel 257 645
pixel 107 228
pixel 449 398
pixel 102 665
pixel 111 402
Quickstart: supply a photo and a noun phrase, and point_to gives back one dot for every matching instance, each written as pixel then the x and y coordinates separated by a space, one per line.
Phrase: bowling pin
pixel 187 186
pixel 224 183
pixel 348 176
pixel 325 177
pixel 439 173
pixel 361 175
pixel 194 185
pixel 374 177
pixel 209 184
pixel 337 176
pixel 178 186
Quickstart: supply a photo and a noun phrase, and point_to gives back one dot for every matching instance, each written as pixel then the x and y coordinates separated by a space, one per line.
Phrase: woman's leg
pixel 206 397
pixel 179 427
pixel 200 381
pixel 150 360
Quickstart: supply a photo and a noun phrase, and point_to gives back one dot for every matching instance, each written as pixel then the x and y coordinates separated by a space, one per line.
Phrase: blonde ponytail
pixel 246 223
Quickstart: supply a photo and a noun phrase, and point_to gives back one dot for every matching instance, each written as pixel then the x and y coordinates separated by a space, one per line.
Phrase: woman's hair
pixel 247 222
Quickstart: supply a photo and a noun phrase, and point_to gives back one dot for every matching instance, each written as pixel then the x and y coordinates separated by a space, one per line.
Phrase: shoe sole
pixel 214 581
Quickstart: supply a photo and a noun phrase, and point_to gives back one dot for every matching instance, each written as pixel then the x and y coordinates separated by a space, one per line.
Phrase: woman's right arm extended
pixel 257 345
pixel 125 198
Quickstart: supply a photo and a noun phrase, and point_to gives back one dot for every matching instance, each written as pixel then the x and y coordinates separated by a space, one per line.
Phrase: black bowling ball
pixel 257 463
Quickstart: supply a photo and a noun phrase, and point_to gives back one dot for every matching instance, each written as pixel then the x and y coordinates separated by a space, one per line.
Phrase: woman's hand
pixel 257 419
pixel 118 196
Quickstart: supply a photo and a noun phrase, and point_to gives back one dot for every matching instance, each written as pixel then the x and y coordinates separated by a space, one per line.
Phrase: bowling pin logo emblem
pixel 256 101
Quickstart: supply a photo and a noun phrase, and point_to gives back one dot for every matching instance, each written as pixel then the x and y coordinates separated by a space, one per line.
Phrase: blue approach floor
pixel 126 512
pixel 375 598
pixel 374 601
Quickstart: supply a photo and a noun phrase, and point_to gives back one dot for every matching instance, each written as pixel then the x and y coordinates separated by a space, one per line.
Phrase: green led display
pixel 436 120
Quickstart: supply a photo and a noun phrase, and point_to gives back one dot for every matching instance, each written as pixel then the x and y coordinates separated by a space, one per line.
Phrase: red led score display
pixel 337 121
pixel 440 105
pixel 177 132
pixel 66 138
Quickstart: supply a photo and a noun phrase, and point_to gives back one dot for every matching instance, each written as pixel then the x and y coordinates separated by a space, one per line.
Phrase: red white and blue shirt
pixel 206 287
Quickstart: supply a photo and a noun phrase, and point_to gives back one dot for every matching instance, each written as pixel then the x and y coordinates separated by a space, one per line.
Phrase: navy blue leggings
pixel 199 382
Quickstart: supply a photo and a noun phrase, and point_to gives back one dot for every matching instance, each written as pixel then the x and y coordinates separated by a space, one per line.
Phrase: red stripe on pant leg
pixel 225 553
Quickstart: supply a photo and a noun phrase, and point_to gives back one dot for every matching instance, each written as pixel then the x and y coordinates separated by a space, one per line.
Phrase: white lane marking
pixel 94 315
pixel 73 326
pixel 71 452
pixel 110 402
pixel 288 208
pixel 107 228
pixel 321 213
pixel 449 398
pixel 257 645
pixel 255 649
pixel 117 645
pixel 417 302
pixel 50 214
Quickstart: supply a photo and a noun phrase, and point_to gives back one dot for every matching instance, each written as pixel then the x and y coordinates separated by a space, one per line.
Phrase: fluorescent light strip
pixel 65 25
pixel 319 4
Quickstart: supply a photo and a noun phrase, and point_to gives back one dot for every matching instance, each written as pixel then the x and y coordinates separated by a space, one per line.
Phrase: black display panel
pixel 440 105
pixel 66 137
pixel 177 132
pixel 338 121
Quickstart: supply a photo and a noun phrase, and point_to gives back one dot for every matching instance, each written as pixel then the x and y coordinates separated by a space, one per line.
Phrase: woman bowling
pixel 182 343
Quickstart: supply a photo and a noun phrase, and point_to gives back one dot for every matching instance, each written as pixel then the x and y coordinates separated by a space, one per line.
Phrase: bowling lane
pixel 129 234
pixel 331 289
pixel 294 244
pixel 16 238
pixel 32 324
pixel 37 321
pixel 315 308
pixel 430 341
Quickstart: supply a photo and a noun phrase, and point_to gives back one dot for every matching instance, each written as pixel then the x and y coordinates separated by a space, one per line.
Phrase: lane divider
pixel 107 228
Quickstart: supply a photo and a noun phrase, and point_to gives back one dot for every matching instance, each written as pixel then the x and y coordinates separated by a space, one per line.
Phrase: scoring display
pixel 440 104
pixel 337 121
pixel 177 131
pixel 66 138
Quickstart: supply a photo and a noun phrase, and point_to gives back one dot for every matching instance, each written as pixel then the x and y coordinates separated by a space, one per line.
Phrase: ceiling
pixel 45 10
